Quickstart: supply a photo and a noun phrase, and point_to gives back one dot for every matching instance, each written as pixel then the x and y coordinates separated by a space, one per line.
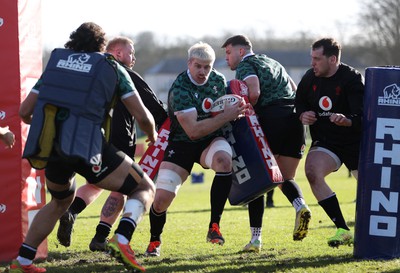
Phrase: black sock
pixel 27 251
pixel 332 208
pixel 157 222
pixel 256 211
pixel 103 229
pixel 220 189
pixel 291 190
pixel 126 227
pixel 77 206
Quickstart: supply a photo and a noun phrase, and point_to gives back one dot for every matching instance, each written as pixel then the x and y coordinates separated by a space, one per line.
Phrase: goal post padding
pixel 22 191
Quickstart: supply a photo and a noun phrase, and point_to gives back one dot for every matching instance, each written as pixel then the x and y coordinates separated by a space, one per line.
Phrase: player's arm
pixel 292 84
pixel 7 136
pixel 253 84
pixel 355 99
pixel 340 120
pixel 27 106
pixel 196 129
pixel 142 115
pixel 306 116
pixel 132 101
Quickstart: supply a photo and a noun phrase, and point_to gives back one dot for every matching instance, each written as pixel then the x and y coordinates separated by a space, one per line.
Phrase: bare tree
pixel 380 22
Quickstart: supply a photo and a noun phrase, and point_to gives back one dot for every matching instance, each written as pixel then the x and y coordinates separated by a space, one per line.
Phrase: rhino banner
pixel 377 232
pixel 22 191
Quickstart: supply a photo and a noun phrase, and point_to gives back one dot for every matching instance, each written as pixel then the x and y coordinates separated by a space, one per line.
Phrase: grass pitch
pixel 184 247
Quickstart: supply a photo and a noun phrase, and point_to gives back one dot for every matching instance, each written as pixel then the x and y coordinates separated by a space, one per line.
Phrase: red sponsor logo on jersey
pixel 207 105
pixel 325 103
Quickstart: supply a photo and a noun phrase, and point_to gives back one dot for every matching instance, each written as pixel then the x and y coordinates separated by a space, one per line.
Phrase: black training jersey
pixel 341 93
pixel 184 95
pixel 149 98
pixel 123 130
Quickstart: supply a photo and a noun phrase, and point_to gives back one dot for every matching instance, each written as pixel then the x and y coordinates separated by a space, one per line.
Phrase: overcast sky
pixel 186 18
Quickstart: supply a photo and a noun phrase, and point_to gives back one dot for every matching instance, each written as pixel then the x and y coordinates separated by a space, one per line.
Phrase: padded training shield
pixel 79 86
pixel 254 166
pixel 151 159
pixel 377 230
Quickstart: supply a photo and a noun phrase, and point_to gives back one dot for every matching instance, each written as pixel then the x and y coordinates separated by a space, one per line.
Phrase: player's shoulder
pixel 181 81
pixel 217 75
pixel 349 73
pixel 348 69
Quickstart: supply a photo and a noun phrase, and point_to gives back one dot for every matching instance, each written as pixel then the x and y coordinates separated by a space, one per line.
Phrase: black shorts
pixel 60 169
pixel 284 131
pixel 185 154
pixel 348 155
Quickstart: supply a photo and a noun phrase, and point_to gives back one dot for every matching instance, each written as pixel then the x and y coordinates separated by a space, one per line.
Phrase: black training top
pixel 341 93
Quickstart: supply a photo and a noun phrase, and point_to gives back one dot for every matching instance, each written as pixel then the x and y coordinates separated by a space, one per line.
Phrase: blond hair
pixel 202 51
pixel 118 41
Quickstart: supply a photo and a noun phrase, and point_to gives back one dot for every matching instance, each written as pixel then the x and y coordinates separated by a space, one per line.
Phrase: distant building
pixel 161 76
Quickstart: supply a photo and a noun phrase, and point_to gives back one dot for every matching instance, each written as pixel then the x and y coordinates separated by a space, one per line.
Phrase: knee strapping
pixel 168 180
pixel 134 209
pixel 218 145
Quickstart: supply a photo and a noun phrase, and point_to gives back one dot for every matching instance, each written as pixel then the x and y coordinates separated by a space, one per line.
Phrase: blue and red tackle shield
pixel 377 230
pixel 151 159
pixel 255 170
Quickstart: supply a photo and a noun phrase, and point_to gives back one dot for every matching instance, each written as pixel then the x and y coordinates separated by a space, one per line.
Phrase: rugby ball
pixel 219 104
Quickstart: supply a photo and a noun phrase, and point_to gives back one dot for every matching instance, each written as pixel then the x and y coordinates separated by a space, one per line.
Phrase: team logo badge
pixel 171 153
pixel 391 95
pixel 77 62
pixel 325 103
pixel 96 162
pixel 392 91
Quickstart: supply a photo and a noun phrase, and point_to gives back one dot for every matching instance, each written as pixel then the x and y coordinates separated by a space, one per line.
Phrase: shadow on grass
pixel 88 262
pixel 77 262
pixel 81 262
pixel 242 262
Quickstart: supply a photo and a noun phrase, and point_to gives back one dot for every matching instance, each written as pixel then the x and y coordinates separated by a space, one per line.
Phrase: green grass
pixel 184 247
